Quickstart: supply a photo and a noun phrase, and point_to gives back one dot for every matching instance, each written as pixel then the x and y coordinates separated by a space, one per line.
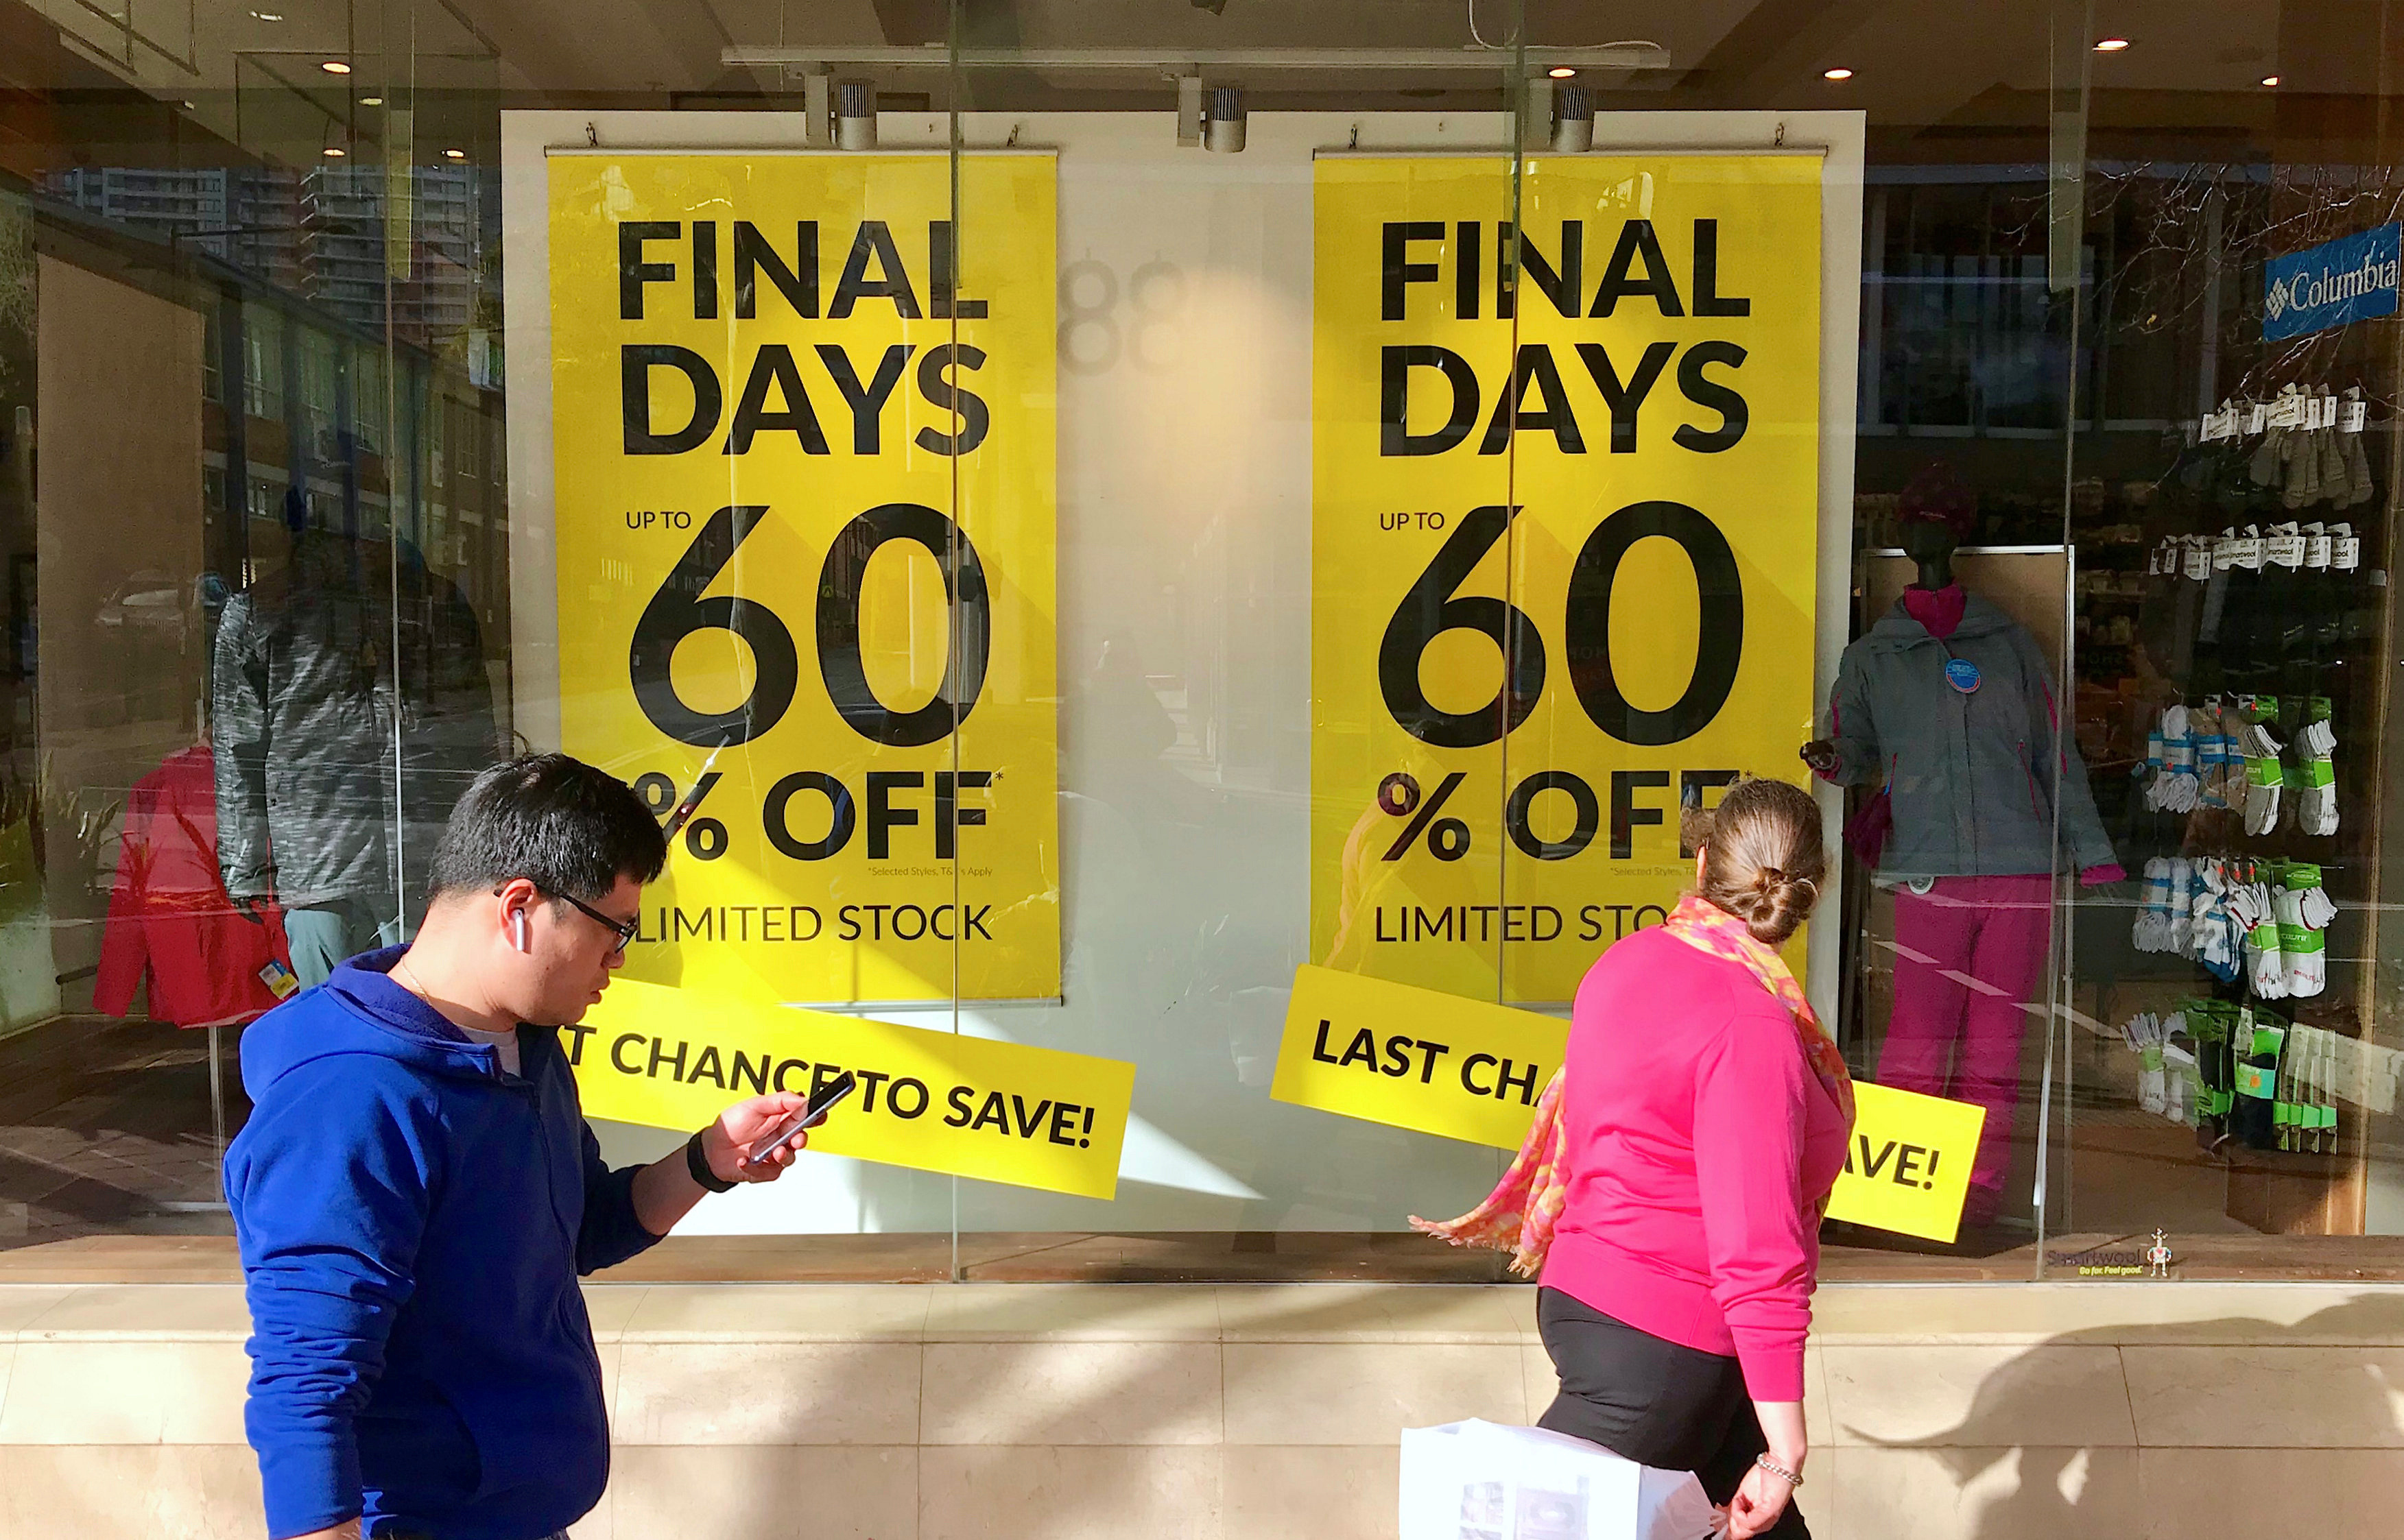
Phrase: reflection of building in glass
pixel 349 248
pixel 253 215
pixel 326 233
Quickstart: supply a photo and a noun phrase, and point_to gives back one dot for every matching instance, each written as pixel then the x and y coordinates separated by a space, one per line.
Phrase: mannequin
pixel 1947 706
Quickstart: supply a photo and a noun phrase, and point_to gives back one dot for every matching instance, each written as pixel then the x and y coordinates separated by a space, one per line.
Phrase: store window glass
pixel 1117 528
pixel 2222 1065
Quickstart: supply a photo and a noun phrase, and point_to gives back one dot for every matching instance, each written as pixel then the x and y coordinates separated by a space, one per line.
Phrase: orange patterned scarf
pixel 1518 1216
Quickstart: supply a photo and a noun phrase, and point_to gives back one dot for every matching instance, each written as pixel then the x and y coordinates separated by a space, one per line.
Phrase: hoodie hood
pixel 1979 617
pixel 374 1014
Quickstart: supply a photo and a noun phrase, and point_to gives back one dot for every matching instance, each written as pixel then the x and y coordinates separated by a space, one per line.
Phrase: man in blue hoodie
pixel 416 1192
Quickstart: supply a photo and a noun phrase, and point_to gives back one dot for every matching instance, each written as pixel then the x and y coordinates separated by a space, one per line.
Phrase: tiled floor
pixel 104 1125
pixel 1246 1412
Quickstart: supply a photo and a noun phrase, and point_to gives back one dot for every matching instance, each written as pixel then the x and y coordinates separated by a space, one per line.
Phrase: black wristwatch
pixel 698 1163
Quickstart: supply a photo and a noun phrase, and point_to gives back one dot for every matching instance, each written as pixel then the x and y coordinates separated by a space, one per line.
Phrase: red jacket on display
pixel 168 915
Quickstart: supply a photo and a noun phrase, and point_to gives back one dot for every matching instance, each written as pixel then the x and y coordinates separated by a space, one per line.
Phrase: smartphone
pixel 821 1102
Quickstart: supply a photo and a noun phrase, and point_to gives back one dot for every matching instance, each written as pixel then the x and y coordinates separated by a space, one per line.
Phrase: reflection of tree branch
pixel 2264 211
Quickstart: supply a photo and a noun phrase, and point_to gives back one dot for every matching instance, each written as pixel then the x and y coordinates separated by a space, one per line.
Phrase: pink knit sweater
pixel 1700 1144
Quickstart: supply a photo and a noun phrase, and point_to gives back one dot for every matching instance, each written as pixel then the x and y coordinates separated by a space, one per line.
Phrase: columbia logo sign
pixel 2349 279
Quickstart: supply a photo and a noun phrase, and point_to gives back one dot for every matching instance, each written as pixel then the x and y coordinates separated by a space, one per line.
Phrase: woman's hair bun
pixel 1762 856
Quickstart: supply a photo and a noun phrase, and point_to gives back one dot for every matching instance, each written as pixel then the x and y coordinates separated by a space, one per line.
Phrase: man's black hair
pixel 559 823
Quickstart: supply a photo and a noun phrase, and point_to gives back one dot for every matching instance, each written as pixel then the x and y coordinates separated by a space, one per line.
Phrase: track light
pixel 854 115
pixel 1224 119
pixel 1573 121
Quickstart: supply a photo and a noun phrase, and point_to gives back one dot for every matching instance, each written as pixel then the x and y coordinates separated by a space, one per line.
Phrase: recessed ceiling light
pixel 267 16
pixel 335 152
pixel 371 101
pixel 192 106
pixel 2111 45
pixel 1839 74
pixel 2270 79
pixel 457 155
pixel 1560 72
pixel 335 66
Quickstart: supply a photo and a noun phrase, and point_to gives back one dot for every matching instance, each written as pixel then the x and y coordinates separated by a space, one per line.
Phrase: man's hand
pixel 727 1142
pixel 664 1190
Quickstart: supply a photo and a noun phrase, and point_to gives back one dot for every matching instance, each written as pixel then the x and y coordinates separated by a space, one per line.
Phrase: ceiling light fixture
pixel 1224 119
pixel 1573 121
pixel 1839 74
pixel 457 155
pixel 854 115
pixel 1561 72
pixel 267 16
pixel 335 66
pixel 335 152
pixel 2270 79
pixel 2112 45
pixel 371 101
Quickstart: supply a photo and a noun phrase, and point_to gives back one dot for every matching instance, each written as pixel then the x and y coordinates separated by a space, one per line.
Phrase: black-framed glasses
pixel 624 930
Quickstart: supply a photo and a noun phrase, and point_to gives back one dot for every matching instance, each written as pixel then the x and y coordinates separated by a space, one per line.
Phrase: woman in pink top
pixel 1673 1186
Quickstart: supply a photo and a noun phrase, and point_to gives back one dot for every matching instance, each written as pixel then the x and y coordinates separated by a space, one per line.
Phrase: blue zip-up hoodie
pixel 412 1223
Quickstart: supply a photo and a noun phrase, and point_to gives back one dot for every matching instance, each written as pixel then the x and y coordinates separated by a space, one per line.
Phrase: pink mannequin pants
pixel 1968 956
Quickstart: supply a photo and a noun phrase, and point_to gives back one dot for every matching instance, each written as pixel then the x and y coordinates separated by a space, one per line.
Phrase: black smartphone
pixel 821 1102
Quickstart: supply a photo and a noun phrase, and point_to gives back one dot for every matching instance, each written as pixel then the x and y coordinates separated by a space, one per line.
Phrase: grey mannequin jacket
pixel 1974 776
pixel 338 759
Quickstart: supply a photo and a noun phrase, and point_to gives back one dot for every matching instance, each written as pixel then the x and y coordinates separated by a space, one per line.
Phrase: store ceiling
pixel 252 70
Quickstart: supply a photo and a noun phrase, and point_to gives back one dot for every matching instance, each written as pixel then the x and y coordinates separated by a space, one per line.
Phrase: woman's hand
pixel 1763 1495
pixel 1759 1500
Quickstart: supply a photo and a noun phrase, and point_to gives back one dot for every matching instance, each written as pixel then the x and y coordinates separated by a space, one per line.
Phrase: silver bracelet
pixel 1774 1468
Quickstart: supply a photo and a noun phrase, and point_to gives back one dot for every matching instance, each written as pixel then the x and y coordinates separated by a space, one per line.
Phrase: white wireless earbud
pixel 519 932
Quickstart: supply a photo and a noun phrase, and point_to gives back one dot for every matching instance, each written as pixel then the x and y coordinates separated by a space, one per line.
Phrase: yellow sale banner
pixel 1437 1063
pixel 932 1101
pixel 1564 534
pixel 803 455
pixel 1414 1058
pixel 1909 1167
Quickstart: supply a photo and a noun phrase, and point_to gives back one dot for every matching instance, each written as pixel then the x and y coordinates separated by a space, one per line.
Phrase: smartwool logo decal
pixel 2349 279
pixel 2154 1261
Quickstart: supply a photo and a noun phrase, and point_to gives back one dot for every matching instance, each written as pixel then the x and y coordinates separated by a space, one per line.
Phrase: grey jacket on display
pixel 310 710
pixel 1972 774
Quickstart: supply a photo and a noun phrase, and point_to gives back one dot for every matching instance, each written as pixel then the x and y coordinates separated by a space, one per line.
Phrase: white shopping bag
pixel 1481 1480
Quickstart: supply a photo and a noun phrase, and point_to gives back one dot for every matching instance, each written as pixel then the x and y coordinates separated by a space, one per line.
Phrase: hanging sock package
pixel 2152 929
pixel 2171 750
pixel 2352 418
pixel 2253 1116
pixel 2266 968
pixel 2218 936
pixel 2304 911
pixel 2145 1034
pixel 2220 773
pixel 2209 1025
pixel 2264 778
pixel 2178 1083
pixel 2316 772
